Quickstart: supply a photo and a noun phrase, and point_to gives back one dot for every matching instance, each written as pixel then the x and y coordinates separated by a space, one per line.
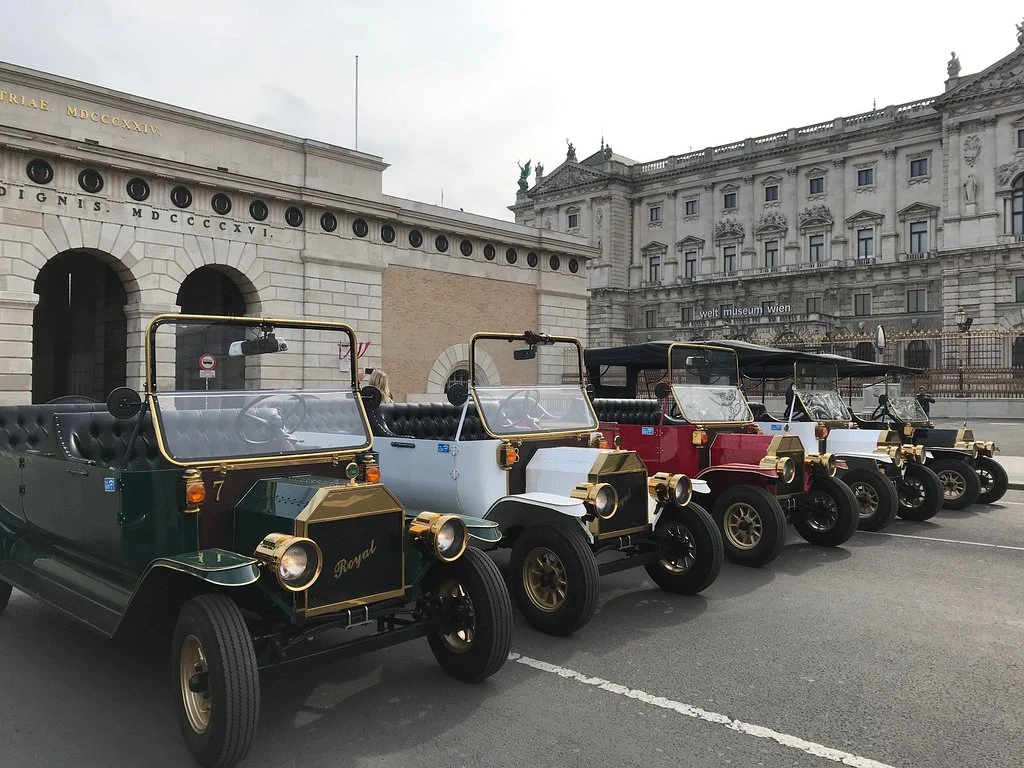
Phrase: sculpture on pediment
pixel 1008 171
pixel 539 173
pixel 608 152
pixel 953 67
pixel 771 220
pixel 972 148
pixel 970 189
pixel 524 176
pixel 728 228
pixel 815 214
pixel 1020 33
pixel 570 155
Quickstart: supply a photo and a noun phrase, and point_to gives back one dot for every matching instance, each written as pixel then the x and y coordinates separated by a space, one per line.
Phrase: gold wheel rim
pixel 867 499
pixel 743 526
pixel 544 579
pixel 685 548
pixel 196 703
pixel 461 640
pixel 953 484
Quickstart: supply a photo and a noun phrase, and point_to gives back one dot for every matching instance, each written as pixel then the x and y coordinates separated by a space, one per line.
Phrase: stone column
pixel 987 193
pixel 672 256
pixel 636 261
pixel 16 360
pixel 838 249
pixel 707 217
pixel 953 188
pixel 793 234
pixel 749 259
pixel 138 316
pixel 891 232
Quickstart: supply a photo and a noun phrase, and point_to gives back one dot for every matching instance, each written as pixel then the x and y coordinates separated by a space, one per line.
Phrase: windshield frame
pixel 521 337
pixel 902 417
pixel 672 386
pixel 834 378
pixel 152 395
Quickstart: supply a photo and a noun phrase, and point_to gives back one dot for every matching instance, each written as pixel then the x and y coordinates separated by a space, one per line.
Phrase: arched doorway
pixel 208 290
pixel 918 355
pixel 79 330
pixel 864 350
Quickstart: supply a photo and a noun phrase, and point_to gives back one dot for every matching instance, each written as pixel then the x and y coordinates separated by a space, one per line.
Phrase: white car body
pixel 860 443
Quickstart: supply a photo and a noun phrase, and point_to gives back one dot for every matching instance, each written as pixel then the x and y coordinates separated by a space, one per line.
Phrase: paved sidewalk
pixel 1014 466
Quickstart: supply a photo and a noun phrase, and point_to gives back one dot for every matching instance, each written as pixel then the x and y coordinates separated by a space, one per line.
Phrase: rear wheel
pixel 960 483
pixel 693 549
pixel 5 595
pixel 993 479
pixel 920 494
pixel 555 581
pixel 877 500
pixel 475 598
pixel 831 513
pixel 753 524
pixel 217 681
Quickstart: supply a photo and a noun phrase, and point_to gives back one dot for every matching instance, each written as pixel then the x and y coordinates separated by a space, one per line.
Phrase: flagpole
pixel 357 101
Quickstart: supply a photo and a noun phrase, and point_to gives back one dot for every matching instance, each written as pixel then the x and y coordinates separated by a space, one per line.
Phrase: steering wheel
pixel 287 418
pixel 881 410
pixel 520 412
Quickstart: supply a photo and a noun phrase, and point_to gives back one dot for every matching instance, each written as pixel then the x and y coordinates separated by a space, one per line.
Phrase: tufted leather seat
pixel 214 432
pixel 761 413
pixel 26 428
pixel 630 411
pixel 426 421
pixel 331 417
pixel 101 438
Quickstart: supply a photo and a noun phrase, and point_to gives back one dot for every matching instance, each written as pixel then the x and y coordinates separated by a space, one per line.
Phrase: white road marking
pixel 794 742
pixel 947 541
pixel 1014 503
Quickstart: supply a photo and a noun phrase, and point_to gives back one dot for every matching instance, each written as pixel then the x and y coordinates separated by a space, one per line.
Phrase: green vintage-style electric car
pixel 240 499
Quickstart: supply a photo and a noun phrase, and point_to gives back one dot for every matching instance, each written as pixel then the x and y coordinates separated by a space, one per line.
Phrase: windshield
pixel 819 377
pixel 530 390
pixel 907 409
pixel 242 389
pixel 704 382
pixel 823 405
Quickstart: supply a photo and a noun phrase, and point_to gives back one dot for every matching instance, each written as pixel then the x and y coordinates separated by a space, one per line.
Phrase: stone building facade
pixel 898 216
pixel 114 208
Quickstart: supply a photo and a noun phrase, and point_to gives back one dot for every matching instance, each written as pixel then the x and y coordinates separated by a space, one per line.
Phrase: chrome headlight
pixel 446 535
pixel 670 489
pixel 786 469
pixel 296 560
pixel 599 498
pixel 828 461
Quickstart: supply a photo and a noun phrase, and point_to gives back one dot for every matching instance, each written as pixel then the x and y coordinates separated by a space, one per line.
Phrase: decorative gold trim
pixel 587 493
pixel 272 548
pixel 427 525
pixel 662 486
pixel 624 532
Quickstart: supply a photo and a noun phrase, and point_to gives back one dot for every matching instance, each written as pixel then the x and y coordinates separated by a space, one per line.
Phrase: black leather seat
pixel 331 417
pixel 760 413
pixel 630 411
pixel 426 421
pixel 26 428
pixel 101 438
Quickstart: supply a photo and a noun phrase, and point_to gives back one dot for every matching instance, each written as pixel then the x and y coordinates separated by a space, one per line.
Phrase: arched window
pixel 1018 205
pixel 460 375
pixel 1018 352
pixel 918 355
pixel 865 350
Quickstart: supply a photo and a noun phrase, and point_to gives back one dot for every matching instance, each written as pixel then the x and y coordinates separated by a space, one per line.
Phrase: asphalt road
pixel 895 650
pixel 1007 433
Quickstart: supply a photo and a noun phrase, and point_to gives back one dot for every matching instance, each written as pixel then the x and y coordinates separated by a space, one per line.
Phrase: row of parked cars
pixel 301 521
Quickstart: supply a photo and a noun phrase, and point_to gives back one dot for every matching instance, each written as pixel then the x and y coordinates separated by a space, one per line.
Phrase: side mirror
pixel 458 394
pixel 371 396
pixel 124 402
pixel 662 390
pixel 525 354
pixel 589 389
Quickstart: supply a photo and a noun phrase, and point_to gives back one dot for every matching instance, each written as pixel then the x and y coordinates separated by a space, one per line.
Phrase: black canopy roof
pixel 652 354
pixel 757 361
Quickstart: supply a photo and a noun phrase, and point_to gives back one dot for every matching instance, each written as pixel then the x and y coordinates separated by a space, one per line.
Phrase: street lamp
pixel 963 324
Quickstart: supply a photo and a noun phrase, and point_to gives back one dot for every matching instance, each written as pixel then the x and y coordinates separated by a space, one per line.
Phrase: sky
pixel 455 94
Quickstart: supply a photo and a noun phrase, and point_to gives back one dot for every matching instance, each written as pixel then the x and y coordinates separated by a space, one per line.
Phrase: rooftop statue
pixel 524 176
pixel 953 67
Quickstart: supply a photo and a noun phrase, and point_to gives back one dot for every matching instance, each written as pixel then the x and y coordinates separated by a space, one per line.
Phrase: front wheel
pixel 920 494
pixel 753 524
pixel 555 580
pixel 877 500
pixel 5 595
pixel 693 551
pixel 831 513
pixel 960 483
pixel 476 602
pixel 216 679
pixel 993 479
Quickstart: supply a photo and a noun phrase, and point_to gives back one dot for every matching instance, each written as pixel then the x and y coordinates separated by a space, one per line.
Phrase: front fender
pixel 742 469
pixel 214 566
pixel 512 513
pixel 479 528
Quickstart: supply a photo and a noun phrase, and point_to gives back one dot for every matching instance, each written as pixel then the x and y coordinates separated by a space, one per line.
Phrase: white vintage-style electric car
pixel 527 456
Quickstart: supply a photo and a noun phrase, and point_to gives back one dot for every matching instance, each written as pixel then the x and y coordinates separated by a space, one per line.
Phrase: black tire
pixel 831 513
pixel 696 543
pixel 960 483
pixel 992 478
pixel 877 500
pixel 920 494
pixel 564 555
pixel 752 523
pixel 478 651
pixel 5 595
pixel 232 680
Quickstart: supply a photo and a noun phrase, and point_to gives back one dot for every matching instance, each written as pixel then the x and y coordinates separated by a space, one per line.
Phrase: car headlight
pixel 828 462
pixel 896 454
pixel 599 498
pixel 446 535
pixel 296 561
pixel 670 489
pixel 786 469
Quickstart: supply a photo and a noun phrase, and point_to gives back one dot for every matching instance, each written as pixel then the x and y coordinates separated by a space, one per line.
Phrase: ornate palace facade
pixel 896 216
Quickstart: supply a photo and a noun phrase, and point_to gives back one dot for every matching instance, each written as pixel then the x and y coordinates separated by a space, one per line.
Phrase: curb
pixel 1015 486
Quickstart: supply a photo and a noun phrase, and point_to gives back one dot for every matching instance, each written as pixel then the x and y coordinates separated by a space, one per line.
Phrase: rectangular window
pixel 813 305
pixel 1018 288
pixel 817 248
pixel 771 254
pixel 686 314
pixel 729 200
pixel 725 310
pixel 1018 210
pixel 655 213
pixel 919 237
pixel 574 220
pixel 771 194
pixel 690 264
pixel 1020 138
pixel 917 300
pixel 865 243
pixel 817 186
pixel 691 207
pixel 865 177
pixel 729 259
pixel 862 303
pixel 919 167
pixel 654 268
pixel 651 318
